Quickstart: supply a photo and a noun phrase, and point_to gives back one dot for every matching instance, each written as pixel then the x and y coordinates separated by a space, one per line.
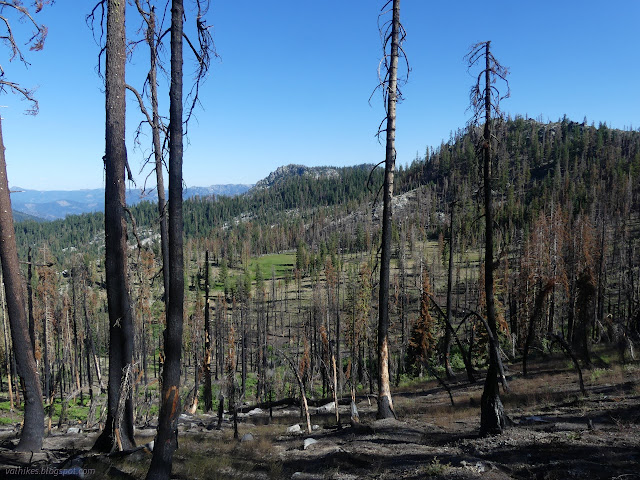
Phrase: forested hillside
pixel 539 167
pixel 288 272
pixel 568 202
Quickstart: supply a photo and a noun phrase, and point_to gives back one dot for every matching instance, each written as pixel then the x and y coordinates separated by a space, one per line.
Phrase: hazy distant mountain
pixel 55 204
pixel 23 217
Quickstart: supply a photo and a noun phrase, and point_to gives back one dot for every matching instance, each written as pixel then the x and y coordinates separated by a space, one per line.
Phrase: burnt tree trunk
pixel 157 151
pixel 208 398
pixel 32 322
pixel 167 437
pixel 492 416
pixel 385 403
pixel 33 429
pixel 447 331
pixel 535 317
pixel 119 304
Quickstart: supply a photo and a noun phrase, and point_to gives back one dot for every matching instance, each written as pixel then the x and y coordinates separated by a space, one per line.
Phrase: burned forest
pixel 471 313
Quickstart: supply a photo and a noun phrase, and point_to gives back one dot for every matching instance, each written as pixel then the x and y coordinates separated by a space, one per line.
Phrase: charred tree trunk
pixel 32 322
pixel 88 345
pixel 167 438
pixel 33 429
pixel 157 149
pixel 492 416
pixel 208 398
pixel 447 331
pixel 385 403
pixel 492 411
pixel 535 317
pixel 585 310
pixel 119 304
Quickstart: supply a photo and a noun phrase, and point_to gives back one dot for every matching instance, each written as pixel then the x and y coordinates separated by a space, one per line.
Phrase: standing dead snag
pixel 449 320
pixel 485 99
pixel 154 121
pixel 167 437
pixel 116 435
pixel 208 398
pixel 33 429
pixel 534 319
pixel 32 432
pixel 393 35
pixel 303 392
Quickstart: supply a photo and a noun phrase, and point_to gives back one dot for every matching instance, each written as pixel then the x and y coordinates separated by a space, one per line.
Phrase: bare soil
pixel 557 434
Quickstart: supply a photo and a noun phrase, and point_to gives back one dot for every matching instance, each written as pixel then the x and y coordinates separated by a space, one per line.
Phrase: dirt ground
pixel 557 434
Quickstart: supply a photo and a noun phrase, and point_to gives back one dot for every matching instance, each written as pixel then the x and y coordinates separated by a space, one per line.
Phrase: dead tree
pixel 535 317
pixel 33 429
pixel 167 437
pixel 208 397
pixel 449 320
pixel 585 313
pixel 565 346
pixel 392 34
pixel 303 392
pixel 485 99
pixel 116 435
pixel 158 130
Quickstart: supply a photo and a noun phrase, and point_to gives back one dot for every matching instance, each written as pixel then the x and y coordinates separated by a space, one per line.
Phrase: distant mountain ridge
pixel 57 204
pixel 292 170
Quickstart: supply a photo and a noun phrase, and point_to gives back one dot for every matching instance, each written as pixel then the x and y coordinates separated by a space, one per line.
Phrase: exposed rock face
pixel 288 171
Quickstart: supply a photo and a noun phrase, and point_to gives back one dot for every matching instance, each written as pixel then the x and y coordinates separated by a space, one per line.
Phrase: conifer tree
pixel 485 101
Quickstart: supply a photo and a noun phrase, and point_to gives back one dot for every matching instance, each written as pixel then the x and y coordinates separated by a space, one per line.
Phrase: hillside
pixel 292 284
pixel 536 163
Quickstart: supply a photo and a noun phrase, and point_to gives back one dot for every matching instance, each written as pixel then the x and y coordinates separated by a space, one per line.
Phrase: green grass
pixel 597 373
pixel 76 412
pixel 154 410
pixel 281 263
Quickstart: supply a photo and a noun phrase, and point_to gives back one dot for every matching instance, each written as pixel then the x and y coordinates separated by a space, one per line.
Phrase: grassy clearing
pixel 76 412
pixel 282 264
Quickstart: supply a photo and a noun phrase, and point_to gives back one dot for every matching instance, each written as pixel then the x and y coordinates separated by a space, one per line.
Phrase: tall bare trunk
pixel 449 320
pixel 492 416
pixel 33 429
pixel 208 398
pixel 32 322
pixel 167 438
pixel 121 333
pixel 385 403
pixel 157 150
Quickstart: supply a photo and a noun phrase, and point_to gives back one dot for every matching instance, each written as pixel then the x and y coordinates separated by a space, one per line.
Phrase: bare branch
pixel 203 53
pixel 141 104
pixel 27 94
pixel 35 42
pixel 91 18
pixel 371 174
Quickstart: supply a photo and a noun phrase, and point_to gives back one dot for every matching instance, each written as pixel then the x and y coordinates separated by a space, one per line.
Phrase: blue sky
pixel 294 79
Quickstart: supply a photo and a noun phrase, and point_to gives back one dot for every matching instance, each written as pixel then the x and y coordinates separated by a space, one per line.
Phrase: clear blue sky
pixel 294 80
